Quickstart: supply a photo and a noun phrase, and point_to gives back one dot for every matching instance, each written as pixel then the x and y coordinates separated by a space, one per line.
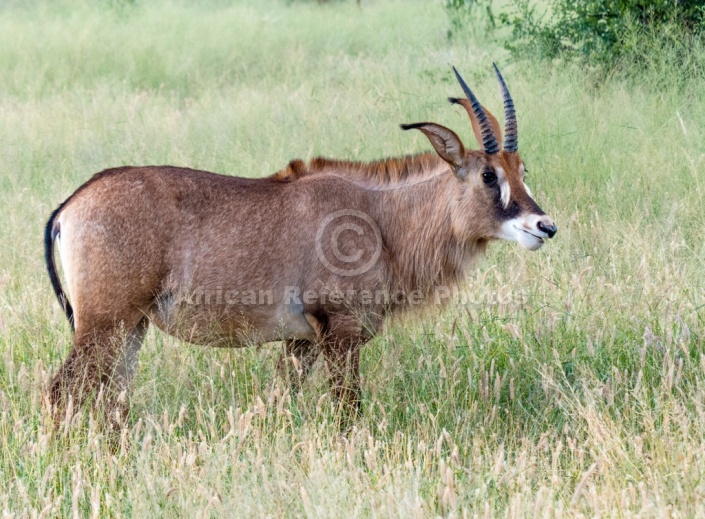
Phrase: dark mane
pixel 379 172
pixel 295 169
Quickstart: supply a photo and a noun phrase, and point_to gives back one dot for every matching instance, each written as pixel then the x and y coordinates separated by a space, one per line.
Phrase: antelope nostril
pixel 548 228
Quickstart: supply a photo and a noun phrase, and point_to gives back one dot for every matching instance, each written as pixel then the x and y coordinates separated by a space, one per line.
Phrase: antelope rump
pixel 316 255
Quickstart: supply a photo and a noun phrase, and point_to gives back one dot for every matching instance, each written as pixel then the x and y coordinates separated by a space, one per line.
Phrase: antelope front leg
pixel 343 359
pixel 296 361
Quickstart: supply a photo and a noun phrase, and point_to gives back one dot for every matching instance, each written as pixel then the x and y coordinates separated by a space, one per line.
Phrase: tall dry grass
pixel 571 383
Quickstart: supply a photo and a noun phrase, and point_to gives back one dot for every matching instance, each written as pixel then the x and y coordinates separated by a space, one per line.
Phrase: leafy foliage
pixel 602 31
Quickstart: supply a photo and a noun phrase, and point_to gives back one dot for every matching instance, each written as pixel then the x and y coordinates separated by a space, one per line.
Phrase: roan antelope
pixel 316 255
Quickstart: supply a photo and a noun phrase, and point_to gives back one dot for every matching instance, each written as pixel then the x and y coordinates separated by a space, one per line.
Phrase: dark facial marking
pixel 511 211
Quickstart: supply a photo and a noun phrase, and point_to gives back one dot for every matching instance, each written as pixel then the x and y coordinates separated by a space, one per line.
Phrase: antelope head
pixel 493 201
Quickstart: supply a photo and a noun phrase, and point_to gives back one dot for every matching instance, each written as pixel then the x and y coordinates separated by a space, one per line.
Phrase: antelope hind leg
pixel 100 365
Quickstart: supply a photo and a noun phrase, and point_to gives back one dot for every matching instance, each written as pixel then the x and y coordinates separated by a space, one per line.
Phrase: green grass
pixel 582 393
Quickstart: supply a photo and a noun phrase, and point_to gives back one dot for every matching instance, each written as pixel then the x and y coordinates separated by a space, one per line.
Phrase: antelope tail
pixel 50 233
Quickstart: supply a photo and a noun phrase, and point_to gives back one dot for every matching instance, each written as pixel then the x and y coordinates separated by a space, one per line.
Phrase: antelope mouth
pixel 539 238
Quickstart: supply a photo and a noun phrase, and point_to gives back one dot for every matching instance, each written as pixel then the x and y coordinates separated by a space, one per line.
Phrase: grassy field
pixel 572 383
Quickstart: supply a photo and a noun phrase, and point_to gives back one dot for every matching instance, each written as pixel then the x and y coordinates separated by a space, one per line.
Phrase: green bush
pixel 602 31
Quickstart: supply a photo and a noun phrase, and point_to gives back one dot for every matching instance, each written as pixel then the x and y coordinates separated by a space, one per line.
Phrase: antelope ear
pixel 475 124
pixel 446 143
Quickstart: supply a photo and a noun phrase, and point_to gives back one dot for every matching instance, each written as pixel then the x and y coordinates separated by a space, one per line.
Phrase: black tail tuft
pixel 49 236
pixel 411 126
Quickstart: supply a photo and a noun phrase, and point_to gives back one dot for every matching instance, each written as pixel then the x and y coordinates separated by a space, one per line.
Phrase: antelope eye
pixel 489 177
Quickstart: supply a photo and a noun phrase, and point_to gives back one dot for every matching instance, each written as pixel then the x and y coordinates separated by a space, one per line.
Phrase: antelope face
pixel 494 201
pixel 509 205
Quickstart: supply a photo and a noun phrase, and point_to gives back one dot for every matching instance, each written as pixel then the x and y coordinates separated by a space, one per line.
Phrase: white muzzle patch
pixel 525 231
